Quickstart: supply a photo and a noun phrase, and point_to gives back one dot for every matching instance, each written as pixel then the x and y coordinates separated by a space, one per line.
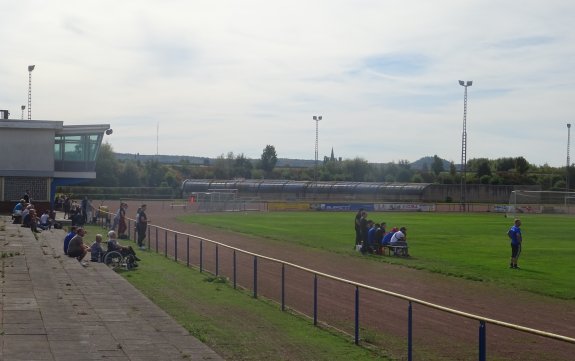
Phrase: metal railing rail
pixel 482 341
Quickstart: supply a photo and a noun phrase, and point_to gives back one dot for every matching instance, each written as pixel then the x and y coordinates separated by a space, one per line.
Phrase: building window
pixel 79 148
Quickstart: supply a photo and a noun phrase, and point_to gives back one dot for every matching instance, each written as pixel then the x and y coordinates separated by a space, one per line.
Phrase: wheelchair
pixel 115 260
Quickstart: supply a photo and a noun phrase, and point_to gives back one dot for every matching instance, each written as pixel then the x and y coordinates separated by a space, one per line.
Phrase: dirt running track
pixel 437 335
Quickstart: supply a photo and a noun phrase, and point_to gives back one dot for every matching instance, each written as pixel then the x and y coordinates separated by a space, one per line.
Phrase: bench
pixel 397 250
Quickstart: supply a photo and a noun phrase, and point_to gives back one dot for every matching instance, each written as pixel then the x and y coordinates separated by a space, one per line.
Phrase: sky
pixel 208 77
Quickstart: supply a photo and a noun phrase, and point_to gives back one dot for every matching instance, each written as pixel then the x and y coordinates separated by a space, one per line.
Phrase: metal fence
pixel 192 250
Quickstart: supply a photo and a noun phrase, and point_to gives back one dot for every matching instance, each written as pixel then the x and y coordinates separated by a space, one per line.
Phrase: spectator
pixel 96 250
pixel 113 245
pixel 45 221
pixel 142 226
pixel 387 237
pixel 67 206
pixel 68 237
pixel 364 229
pixel 122 225
pixel 30 220
pixel 26 196
pixel 357 224
pixel 77 248
pixel 17 212
pixel 399 238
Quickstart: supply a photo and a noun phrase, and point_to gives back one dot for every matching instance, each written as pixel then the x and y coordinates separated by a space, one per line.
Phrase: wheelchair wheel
pixel 113 259
pixel 130 261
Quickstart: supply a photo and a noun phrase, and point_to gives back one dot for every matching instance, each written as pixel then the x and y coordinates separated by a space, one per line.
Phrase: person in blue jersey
pixel 514 234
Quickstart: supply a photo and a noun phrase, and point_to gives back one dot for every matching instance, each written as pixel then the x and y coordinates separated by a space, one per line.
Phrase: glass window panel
pixel 57 151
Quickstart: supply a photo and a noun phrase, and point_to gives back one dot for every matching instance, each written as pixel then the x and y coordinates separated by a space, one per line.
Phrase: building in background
pixel 39 155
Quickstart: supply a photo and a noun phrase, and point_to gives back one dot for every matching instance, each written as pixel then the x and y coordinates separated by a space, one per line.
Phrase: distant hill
pixel 421 163
pixel 282 162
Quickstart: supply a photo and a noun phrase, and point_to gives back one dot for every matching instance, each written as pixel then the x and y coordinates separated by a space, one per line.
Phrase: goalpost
pixel 536 202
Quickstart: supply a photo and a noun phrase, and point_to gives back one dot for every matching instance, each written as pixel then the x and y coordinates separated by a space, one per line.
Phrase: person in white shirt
pixel 399 238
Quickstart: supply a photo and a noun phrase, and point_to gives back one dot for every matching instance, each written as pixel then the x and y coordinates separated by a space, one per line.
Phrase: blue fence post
pixel 188 252
pixel 283 286
pixel 410 332
pixel 357 315
pixel 234 269
pixel 201 256
pixel 482 341
pixel 217 261
pixel 255 276
pixel 176 247
pixel 156 240
pixel 166 243
pixel 315 299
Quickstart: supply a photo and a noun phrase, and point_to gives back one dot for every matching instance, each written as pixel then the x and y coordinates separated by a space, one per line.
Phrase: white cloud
pixel 220 76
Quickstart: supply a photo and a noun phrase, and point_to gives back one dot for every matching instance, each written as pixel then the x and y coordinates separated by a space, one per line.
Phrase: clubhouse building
pixel 40 155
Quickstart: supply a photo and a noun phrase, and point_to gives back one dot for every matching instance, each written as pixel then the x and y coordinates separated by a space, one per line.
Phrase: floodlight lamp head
pixel 319 118
pixel 568 125
pixel 31 67
pixel 470 83
pixel 461 83
pixel 23 107
pixel 109 131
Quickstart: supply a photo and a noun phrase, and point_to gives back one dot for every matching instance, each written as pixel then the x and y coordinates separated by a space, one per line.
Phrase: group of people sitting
pixel 25 214
pixel 371 237
pixel 74 246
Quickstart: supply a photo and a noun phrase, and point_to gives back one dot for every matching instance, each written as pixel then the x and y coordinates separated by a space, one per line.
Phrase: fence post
pixel 217 260
pixel 201 256
pixel 130 230
pixel 166 244
pixel 315 299
pixel 255 276
pixel 149 237
pixel 482 341
pixel 156 240
pixel 409 332
pixel 283 286
pixel 188 252
pixel 176 247
pixel 234 269
pixel 357 315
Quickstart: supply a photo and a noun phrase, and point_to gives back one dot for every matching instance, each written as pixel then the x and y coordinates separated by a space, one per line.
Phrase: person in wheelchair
pixel 113 245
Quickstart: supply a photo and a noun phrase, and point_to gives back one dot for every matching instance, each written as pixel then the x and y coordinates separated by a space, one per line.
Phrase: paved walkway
pixel 52 308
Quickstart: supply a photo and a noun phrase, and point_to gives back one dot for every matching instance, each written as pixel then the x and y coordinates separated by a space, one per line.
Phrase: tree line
pixel 111 172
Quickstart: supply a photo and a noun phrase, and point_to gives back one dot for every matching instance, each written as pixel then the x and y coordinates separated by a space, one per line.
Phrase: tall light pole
pixel 568 159
pixel 464 84
pixel 30 68
pixel 317 119
pixel 23 107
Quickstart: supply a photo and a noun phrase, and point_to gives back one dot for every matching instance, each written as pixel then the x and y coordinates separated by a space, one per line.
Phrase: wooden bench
pixel 396 250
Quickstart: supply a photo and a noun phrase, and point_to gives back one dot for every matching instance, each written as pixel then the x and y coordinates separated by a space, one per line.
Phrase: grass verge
pixel 231 322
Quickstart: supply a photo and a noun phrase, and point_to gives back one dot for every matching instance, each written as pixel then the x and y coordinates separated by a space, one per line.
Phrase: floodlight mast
pixel 30 68
pixel 567 178
pixel 317 118
pixel 463 199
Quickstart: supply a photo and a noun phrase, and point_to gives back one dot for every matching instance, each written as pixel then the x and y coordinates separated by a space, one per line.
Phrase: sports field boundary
pixel 177 237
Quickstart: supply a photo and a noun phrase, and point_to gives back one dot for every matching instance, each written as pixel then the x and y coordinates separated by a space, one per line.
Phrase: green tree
pixel 130 174
pixel 437 165
pixel 106 167
pixel 268 159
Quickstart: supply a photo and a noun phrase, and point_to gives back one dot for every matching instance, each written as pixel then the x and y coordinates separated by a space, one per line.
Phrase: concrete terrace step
pixel 52 308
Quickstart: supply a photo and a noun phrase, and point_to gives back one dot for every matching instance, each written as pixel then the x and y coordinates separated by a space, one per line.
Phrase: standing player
pixel 514 234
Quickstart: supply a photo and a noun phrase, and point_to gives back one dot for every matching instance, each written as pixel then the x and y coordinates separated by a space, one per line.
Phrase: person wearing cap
pixel 77 248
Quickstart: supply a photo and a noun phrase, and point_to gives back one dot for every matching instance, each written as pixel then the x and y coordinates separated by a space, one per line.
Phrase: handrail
pixel 379 290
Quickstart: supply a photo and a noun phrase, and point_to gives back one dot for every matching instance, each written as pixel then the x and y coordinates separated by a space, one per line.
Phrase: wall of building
pixel 27 150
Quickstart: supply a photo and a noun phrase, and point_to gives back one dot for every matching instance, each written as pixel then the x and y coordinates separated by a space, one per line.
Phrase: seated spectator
pixel 96 250
pixel 387 237
pixel 113 245
pixel 366 242
pixel 77 248
pixel 68 237
pixel 399 238
pixel 31 221
pixel 45 221
pixel 17 212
